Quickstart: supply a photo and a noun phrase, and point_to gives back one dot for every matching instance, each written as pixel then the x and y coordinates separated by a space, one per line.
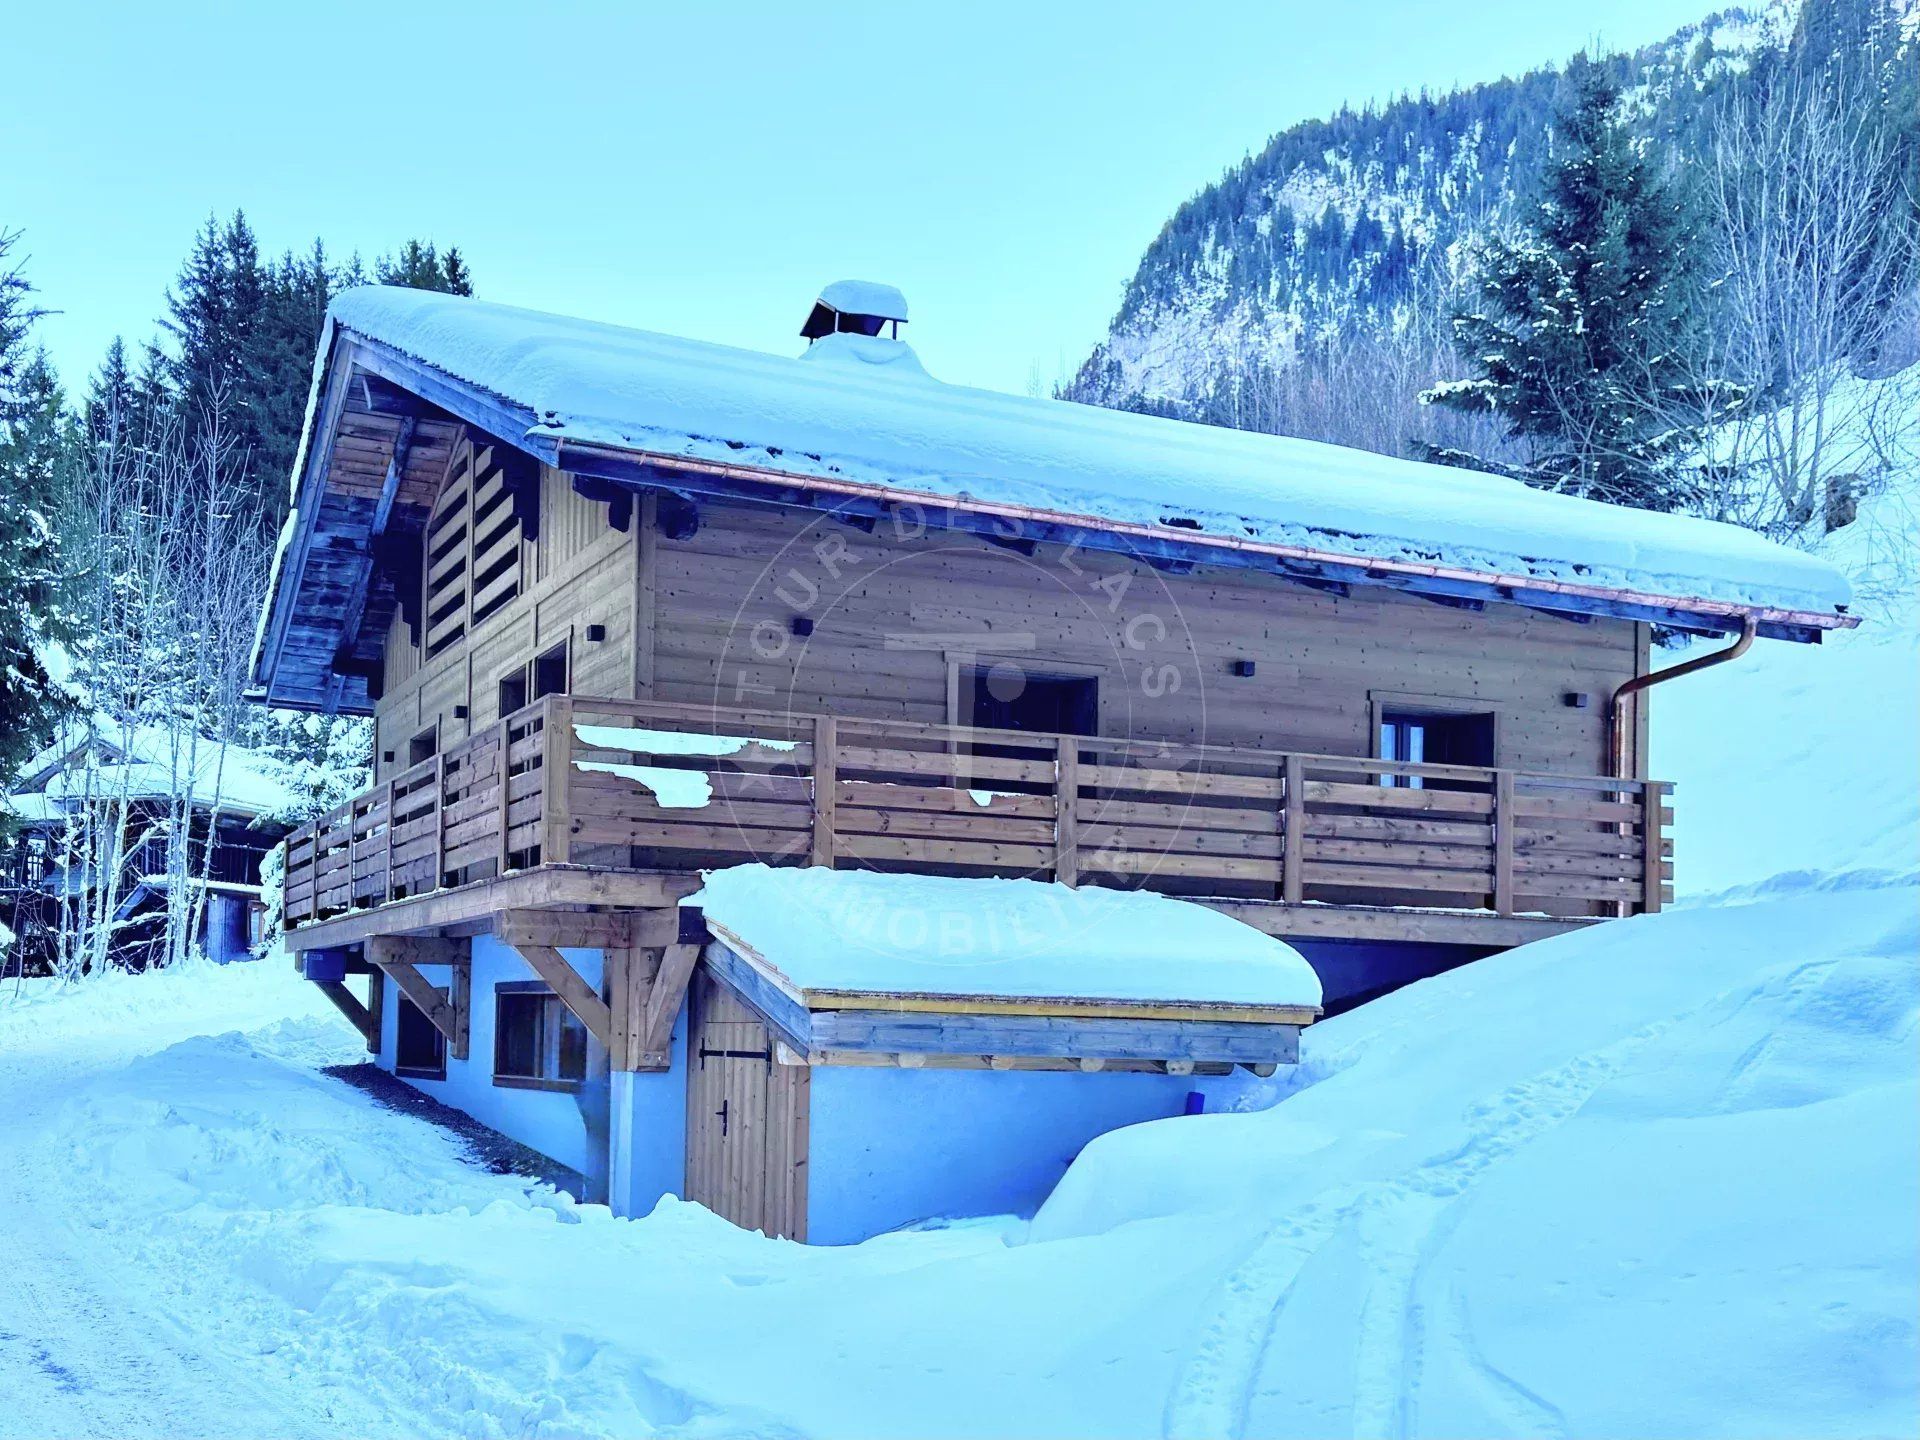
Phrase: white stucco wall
pixel 889 1147
pixel 543 1120
pixel 551 1122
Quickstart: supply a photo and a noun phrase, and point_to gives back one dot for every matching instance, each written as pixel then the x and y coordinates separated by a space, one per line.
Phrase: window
pixel 550 672
pixel 538 1044
pixel 424 746
pixel 513 690
pixel 1434 738
pixel 1006 696
pixel 419 1049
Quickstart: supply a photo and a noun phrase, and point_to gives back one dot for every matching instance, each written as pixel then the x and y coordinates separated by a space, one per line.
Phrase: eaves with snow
pixel 856 420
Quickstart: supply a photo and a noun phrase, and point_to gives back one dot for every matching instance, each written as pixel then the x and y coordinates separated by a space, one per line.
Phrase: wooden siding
pixel 888 632
pixel 580 571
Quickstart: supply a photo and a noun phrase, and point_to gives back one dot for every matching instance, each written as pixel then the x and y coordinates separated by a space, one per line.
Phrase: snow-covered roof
pixel 143 762
pixel 820 930
pixel 865 297
pixel 897 431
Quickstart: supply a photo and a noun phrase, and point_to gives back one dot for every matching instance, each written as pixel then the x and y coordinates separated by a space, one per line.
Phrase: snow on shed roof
pixel 855 930
pixel 895 428
pixel 144 762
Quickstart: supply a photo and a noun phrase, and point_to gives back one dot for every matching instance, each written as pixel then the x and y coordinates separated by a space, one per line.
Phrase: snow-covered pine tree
pixel 1582 339
pixel 38 448
pixel 420 266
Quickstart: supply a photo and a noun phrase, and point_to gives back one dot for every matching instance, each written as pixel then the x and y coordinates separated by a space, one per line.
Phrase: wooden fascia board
pixel 1065 1007
pixel 894 1032
pixel 773 1001
pixel 646 470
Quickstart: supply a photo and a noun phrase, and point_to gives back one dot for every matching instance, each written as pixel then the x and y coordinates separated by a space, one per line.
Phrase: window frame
pixel 521 675
pixel 1382 703
pixel 415 756
pixel 564 650
pixel 563 1021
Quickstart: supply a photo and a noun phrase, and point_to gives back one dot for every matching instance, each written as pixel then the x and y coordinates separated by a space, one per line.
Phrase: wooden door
pixel 746 1117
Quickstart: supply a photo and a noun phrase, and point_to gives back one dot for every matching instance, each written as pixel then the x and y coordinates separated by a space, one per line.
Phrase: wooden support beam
pixel 358 1015
pixel 554 968
pixel 421 950
pixel 460 1001
pixel 570 929
pixel 436 1004
pixel 653 1044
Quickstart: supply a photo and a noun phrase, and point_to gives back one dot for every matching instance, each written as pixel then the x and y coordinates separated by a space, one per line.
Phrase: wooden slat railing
pixel 654 786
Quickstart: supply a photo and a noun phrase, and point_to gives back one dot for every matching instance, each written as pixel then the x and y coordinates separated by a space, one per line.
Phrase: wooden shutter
pixel 474 543
pixel 449 554
pixel 496 534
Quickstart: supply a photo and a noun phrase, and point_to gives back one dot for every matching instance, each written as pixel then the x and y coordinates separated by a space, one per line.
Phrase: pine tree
pixel 1582 349
pixel 38 446
pixel 421 267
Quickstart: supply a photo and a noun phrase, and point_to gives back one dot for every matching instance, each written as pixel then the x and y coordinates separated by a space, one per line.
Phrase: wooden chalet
pixel 137 782
pixel 627 609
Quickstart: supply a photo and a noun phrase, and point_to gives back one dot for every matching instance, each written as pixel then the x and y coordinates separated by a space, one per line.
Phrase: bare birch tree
pixel 1817 241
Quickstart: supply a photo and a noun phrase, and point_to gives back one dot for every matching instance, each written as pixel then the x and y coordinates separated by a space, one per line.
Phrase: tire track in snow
pixel 1214 1390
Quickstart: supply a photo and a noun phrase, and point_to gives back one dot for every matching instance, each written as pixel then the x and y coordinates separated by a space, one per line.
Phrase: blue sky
pixel 702 169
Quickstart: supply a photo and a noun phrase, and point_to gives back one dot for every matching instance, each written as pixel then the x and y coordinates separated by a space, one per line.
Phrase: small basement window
pixel 1434 738
pixel 419 1049
pixel 538 1044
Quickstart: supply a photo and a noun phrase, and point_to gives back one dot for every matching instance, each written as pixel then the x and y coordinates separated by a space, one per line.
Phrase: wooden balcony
pixel 575 801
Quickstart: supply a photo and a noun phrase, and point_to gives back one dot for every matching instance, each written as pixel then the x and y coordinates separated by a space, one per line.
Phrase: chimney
pixel 856 307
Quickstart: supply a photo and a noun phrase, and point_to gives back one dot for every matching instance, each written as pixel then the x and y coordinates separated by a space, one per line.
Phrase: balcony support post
pixel 1503 819
pixel 1066 812
pixel 557 766
pixel 826 786
pixel 1293 829
pixel 1653 873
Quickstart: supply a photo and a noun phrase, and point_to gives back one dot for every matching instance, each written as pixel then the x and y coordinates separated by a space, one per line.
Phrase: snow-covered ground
pixel 1656 1178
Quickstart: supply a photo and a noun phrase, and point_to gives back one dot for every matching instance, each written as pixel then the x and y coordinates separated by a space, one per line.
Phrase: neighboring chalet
pixel 121 788
pixel 636 614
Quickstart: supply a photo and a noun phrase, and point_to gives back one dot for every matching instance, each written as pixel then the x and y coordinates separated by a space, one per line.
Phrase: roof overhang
pixel 372 454
pixel 1173 548
pixel 328 603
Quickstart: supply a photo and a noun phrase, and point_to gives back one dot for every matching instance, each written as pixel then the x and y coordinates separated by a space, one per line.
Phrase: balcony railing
pixel 639 786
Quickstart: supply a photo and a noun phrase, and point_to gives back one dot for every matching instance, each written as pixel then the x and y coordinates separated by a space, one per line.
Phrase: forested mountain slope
pixel 1345 245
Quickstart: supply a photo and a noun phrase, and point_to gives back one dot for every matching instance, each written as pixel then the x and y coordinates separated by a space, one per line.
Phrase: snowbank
pixel 1658 1177
pixel 892 426
pixel 1795 761
pixel 925 934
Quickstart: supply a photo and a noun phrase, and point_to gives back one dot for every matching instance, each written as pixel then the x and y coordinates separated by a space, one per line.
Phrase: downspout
pixel 1622 761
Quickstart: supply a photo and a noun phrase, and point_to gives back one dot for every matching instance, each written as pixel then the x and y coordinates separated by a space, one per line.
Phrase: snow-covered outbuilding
pixel 1038 768
pixel 124 789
